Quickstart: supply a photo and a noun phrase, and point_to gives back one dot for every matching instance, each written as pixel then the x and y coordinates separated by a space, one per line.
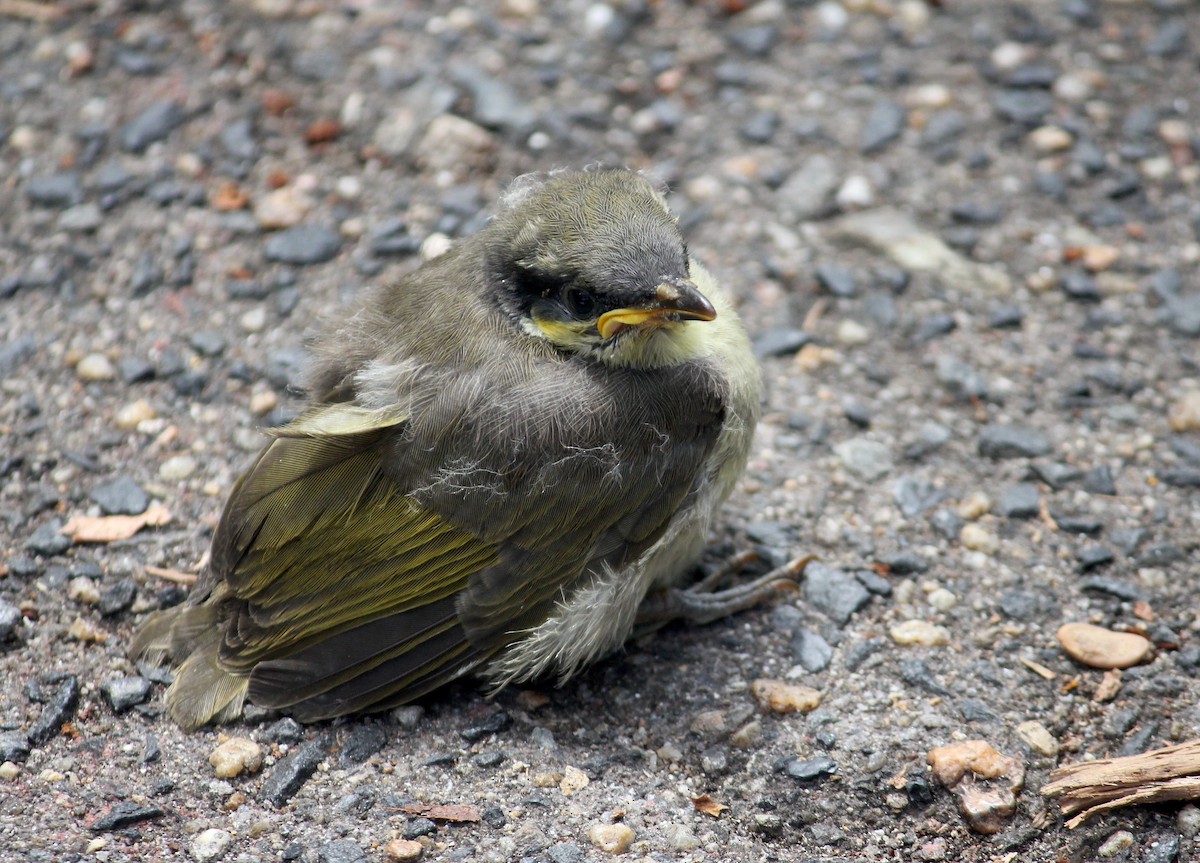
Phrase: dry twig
pixel 1157 776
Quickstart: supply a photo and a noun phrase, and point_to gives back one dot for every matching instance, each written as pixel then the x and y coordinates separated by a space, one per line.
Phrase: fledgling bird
pixel 512 458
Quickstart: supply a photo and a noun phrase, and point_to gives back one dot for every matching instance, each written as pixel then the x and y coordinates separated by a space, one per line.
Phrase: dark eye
pixel 579 302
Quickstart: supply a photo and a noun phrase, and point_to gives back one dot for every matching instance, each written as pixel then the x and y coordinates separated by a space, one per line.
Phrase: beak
pixel 673 299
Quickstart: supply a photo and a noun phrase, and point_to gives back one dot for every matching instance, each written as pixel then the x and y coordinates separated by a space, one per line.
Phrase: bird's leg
pixel 700 603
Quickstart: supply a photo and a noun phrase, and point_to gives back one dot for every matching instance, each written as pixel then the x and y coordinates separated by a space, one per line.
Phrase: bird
pixel 510 462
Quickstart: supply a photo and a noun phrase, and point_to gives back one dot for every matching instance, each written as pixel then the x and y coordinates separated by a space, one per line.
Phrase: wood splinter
pixel 1160 775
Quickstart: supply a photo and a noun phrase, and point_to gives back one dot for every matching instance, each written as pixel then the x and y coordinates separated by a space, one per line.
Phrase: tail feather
pixel 203 692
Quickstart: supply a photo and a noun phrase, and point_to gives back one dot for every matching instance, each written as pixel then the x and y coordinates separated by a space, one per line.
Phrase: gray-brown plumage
pixel 506 451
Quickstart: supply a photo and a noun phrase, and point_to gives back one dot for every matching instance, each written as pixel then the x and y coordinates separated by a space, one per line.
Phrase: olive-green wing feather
pixel 370 556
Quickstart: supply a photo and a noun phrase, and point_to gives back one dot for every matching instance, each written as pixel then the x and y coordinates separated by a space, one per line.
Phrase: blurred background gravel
pixel 963 236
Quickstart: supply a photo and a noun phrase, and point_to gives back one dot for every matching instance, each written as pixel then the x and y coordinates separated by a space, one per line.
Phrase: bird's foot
pixel 703 603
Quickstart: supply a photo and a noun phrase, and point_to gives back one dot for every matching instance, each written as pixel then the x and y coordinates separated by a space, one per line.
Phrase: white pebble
pixel 95 367
pixel 177 467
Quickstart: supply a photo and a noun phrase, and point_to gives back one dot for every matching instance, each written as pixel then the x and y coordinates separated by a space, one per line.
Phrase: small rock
pixel 807 194
pixel 341 851
pixel 124 814
pixel 404 849
pixel 236 756
pixel 1038 737
pixel 121 496
pixel 985 782
pixel 1050 139
pixel 303 245
pixel 285 207
pixel 919 633
pixel 869 460
pixel 884 125
pixel 1004 442
pixel 1184 413
pixel 177 467
pixel 780 697
pixel 836 279
pixel 123 693
pixel 833 592
pixel 1117 843
pixel 611 838
pixel 211 844
pixel 811 651
pixel 1103 648
pixel 1019 501
pixel 95 367
pixel 152 125
pixel 976 537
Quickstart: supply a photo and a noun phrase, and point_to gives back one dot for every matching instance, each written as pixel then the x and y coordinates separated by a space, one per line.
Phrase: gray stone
pixel 1005 441
pixel 60 190
pixel 1019 501
pixel 153 124
pixel 303 245
pixel 810 650
pixel 121 496
pixel 122 693
pixel 884 125
pixel 870 460
pixel 833 592
pixel 808 193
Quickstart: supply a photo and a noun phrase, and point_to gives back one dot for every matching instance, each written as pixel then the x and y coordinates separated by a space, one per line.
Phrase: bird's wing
pixel 370 556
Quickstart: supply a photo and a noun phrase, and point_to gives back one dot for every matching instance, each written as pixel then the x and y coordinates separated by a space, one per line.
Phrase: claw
pixel 701 604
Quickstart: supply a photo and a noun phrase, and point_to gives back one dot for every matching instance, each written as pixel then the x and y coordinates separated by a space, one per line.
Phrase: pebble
pixel 81 219
pixel 177 467
pixel 1183 415
pixel 855 192
pixel 1188 820
pixel 837 280
pixel 611 838
pixel 14 746
pixel 1038 737
pixel 211 844
pixel 778 696
pixel 852 333
pixel 1019 501
pixel 285 207
pixel 152 125
pixel 1005 441
pixel 919 633
pixel 974 506
pixel 1098 647
pixel 1050 139
pixel 808 192
pixel 48 540
pixel 1117 843
pixel 966 768
pixel 978 538
pixel 884 125
pixel 254 320
pixel 123 693
pixel 57 709
pixel 95 367
pixel 9 771
pixel 236 756
pixel 289 775
pixel 404 849
pixel 833 592
pixel 680 837
pixel 125 813
pixel 11 619
pixel 867 459
pixel 451 143
pixel 129 416
pixel 303 245
pixel 59 191
pixel 121 496
pixel 810 650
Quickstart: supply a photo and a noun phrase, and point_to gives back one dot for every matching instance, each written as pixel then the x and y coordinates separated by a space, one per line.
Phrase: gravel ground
pixel 964 238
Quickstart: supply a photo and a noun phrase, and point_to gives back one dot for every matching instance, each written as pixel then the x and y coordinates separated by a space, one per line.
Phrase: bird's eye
pixel 579 302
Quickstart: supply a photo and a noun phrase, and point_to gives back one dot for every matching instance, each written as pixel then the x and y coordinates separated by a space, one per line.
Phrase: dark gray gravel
pixel 191 188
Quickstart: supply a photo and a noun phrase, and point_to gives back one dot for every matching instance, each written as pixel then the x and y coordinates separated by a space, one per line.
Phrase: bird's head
pixel 594 263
